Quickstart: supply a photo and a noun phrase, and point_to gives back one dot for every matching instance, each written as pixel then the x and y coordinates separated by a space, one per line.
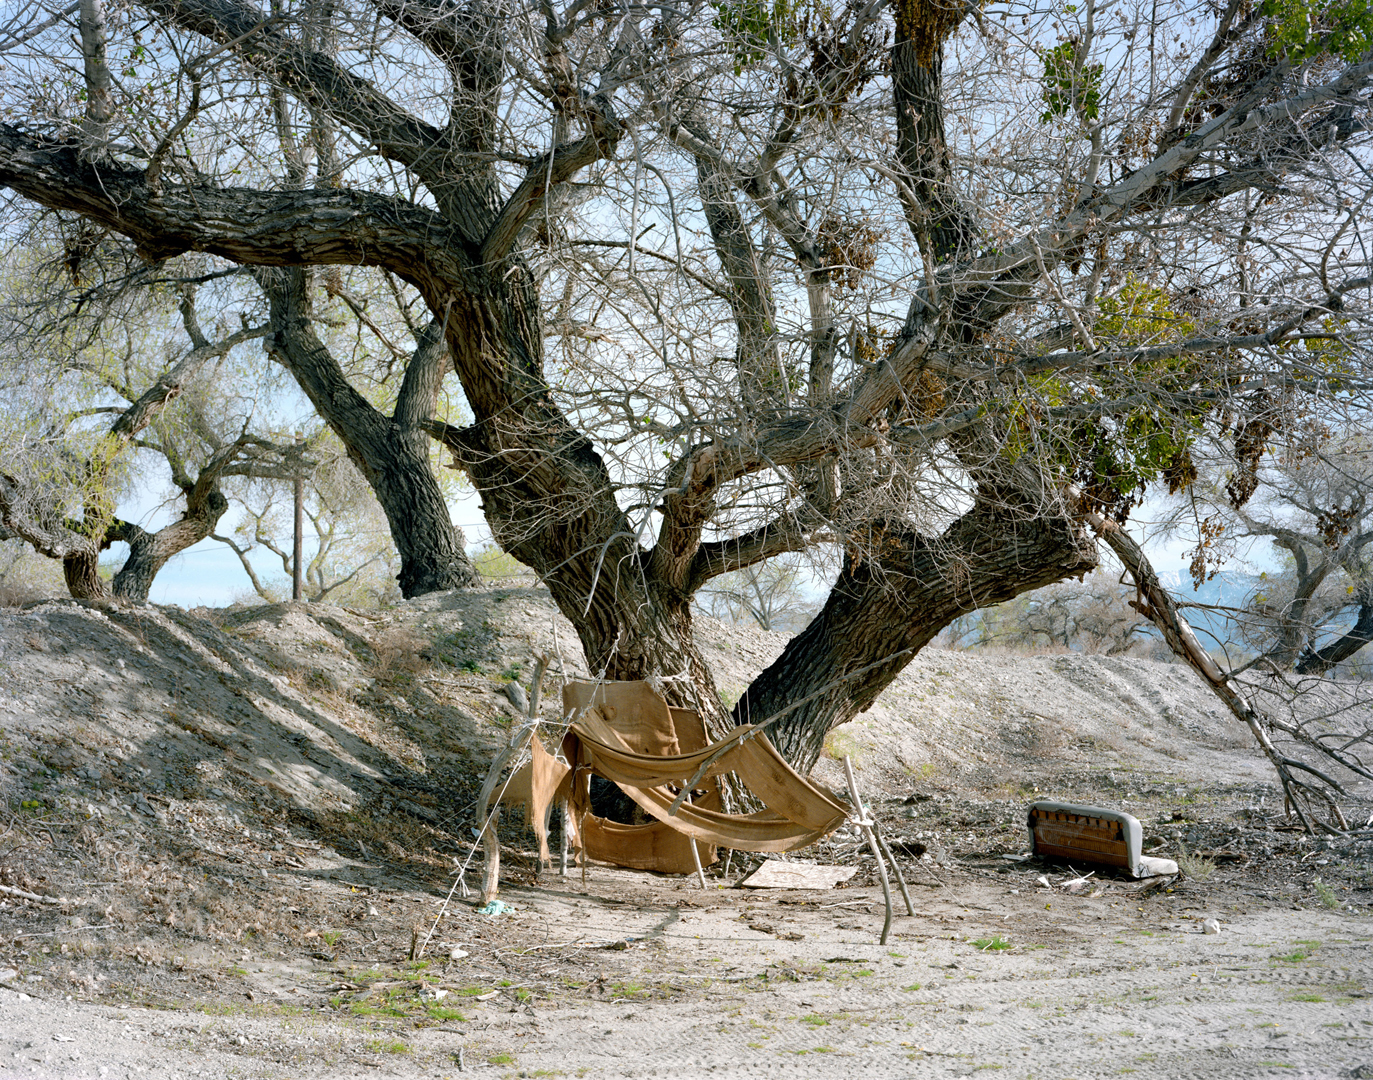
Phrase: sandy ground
pixel 232 829
pixel 621 979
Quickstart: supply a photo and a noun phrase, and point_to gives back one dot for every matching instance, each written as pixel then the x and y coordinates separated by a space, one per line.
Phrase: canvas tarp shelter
pixel 626 733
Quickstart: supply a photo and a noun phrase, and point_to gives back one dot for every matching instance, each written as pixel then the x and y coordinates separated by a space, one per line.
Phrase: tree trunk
pixel 393 457
pixel 82 572
pixel 889 602
pixel 937 217
pixel 1354 639
pixel 632 625
pixel 149 552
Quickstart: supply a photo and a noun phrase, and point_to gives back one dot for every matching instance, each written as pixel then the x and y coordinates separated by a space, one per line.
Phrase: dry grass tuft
pixel 1195 867
pixel 398 649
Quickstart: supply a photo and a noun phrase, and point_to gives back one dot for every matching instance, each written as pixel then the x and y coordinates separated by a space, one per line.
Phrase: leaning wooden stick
pixel 896 868
pixel 865 824
pixel 1158 607
pixel 696 857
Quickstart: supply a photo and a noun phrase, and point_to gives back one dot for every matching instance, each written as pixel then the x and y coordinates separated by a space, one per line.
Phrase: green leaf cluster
pixel 1305 29
pixel 749 25
pixel 1141 314
pixel 1066 87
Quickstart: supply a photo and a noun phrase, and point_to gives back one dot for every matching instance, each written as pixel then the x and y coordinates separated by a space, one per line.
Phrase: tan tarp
pixel 653 846
pixel 644 722
pixel 626 733
pixel 535 784
pixel 750 756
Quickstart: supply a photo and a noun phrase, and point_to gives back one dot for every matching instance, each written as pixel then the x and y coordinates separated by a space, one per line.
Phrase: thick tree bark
pixel 81 570
pixel 755 316
pixel 631 622
pixel 892 597
pixel 150 552
pixel 392 454
pixel 937 217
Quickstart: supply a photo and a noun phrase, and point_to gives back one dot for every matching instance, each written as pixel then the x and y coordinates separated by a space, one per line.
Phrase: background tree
pixel 352 561
pixel 1092 616
pixel 770 595
pixel 1315 506
pixel 88 296
pixel 1300 486
pixel 67 465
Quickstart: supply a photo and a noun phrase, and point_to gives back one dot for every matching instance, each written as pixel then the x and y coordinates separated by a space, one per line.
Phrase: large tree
pixel 723 281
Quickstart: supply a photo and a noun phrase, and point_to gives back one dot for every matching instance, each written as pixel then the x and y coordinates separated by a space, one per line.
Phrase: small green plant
pixel 1069 84
pixel 330 937
pixel 1326 894
pixel 815 1020
pixel 388 1046
pixel 912 988
pixel 439 1012
pixel 1306 997
pixel 995 943
pixel 501 1059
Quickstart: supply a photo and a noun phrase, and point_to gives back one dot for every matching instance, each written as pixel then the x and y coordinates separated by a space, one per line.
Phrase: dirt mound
pixel 327 709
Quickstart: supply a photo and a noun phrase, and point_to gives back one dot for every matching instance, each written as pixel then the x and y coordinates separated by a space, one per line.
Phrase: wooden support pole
pixel 865 823
pixel 491 855
pixel 696 858
pixel 298 540
pixel 562 868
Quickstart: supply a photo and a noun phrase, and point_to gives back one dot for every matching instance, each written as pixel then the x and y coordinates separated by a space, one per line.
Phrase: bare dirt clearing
pixel 234 823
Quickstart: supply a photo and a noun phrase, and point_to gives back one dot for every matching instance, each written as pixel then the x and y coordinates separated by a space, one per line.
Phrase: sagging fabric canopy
pixel 626 733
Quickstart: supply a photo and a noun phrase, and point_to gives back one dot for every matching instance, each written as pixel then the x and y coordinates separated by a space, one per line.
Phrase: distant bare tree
pixel 770 596
pixel 351 559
